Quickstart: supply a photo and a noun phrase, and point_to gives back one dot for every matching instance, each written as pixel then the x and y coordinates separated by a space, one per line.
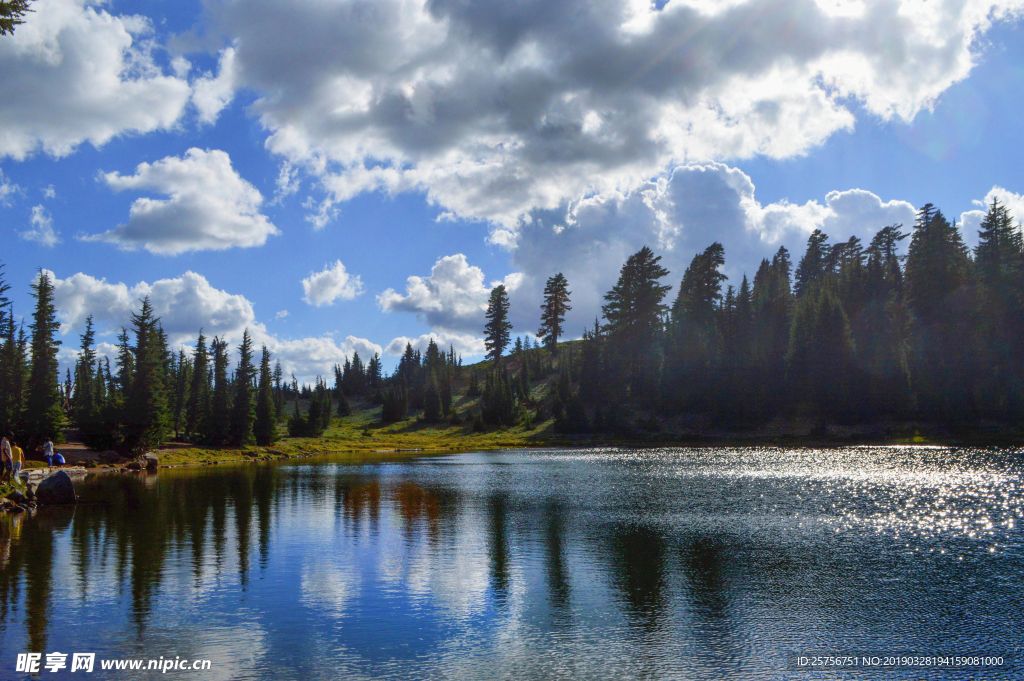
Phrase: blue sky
pixel 433 149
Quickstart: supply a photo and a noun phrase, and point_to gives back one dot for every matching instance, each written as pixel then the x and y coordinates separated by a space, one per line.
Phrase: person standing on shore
pixel 6 457
pixel 17 460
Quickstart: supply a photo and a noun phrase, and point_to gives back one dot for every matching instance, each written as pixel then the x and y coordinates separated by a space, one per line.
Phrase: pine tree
pixel 145 409
pixel 265 428
pixel 182 381
pixel 498 328
pixel 881 329
pixel 13 367
pixel 556 304
pixel 85 406
pixel 771 300
pixel 43 417
pixel 395 405
pixel 243 408
pixel 373 373
pixel 198 408
pixel 938 290
pixel 634 313
pixel 696 339
pixel 814 265
pixel 432 411
pixel 278 390
pixel 999 261
pixel 217 426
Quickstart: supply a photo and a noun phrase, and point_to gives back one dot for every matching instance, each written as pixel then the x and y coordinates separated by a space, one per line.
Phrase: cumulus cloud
pixel 42 231
pixel 74 73
pixel 499 111
pixel 184 304
pixel 209 206
pixel 462 343
pixel 333 282
pixel 453 298
pixel 677 217
pixel 970 221
pixel 281 314
pixel 187 304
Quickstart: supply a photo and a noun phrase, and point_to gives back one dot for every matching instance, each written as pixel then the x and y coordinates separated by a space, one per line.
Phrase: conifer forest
pixel 913 326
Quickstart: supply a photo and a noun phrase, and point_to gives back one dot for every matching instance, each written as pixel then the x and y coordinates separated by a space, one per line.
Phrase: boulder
pixel 150 460
pixel 135 466
pixel 16 496
pixel 56 489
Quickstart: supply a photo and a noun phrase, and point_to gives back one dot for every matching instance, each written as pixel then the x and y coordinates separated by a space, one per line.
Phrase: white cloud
pixel 42 229
pixel 7 190
pixel 467 345
pixel 281 314
pixel 970 221
pixel 333 282
pixel 49 192
pixel 453 298
pixel 187 304
pixel 210 206
pixel 74 73
pixel 211 94
pixel 500 112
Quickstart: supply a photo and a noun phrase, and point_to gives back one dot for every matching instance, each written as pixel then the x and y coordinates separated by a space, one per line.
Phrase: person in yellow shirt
pixel 18 460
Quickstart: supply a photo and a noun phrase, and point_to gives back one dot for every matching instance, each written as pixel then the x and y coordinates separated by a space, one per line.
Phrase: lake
pixel 718 563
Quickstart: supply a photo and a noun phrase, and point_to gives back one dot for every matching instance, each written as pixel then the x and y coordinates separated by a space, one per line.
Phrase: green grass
pixel 363 432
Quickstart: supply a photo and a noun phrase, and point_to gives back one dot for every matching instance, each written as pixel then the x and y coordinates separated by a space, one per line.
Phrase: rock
pixel 135 466
pixel 56 489
pixel 17 509
pixel 150 460
pixel 16 496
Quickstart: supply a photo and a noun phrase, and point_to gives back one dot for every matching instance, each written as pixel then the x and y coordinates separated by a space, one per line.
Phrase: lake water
pixel 591 564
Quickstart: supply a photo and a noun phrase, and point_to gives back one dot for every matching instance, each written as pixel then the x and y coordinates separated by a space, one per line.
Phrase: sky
pixel 344 176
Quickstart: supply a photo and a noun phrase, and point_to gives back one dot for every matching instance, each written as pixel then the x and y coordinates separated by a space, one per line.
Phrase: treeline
pixel 149 393
pixel 854 334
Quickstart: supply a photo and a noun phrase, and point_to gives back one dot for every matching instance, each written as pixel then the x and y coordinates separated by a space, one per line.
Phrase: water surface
pixel 592 564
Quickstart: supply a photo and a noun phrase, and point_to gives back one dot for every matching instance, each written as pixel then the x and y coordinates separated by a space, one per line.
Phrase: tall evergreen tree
pixel 85 405
pixel 43 416
pixel 498 328
pixel 938 281
pixel 696 340
pixel 556 304
pixel 218 424
pixel 243 409
pixel 771 300
pixel 197 409
pixel 265 428
pixel 999 262
pixel 278 389
pixel 815 263
pixel 146 407
pixel 634 311
pixel 881 329
pixel 182 382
